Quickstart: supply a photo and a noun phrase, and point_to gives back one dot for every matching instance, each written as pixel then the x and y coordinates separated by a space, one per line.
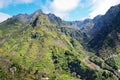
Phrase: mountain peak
pixel 38 11
pixel 54 19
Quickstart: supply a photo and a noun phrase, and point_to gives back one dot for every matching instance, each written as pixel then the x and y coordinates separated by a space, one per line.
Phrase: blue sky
pixel 69 10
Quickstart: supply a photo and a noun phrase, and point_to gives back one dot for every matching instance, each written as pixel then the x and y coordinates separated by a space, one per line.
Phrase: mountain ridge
pixel 42 46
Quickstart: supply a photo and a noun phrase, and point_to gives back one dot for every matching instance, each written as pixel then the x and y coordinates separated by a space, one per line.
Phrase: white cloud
pixel 4 16
pixel 61 8
pixel 64 5
pixel 101 6
pixel 4 3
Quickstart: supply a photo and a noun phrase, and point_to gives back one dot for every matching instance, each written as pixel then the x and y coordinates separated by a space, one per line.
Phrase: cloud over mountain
pixel 61 8
pixel 101 6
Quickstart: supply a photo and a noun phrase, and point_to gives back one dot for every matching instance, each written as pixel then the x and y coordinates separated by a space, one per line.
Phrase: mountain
pixel 42 46
pixel 84 25
pixel 103 36
pixel 106 40
pixel 108 24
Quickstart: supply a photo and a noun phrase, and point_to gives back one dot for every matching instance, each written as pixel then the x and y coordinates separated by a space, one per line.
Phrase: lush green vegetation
pixel 43 50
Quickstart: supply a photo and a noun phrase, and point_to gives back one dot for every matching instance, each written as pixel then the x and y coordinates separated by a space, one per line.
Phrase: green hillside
pixel 41 50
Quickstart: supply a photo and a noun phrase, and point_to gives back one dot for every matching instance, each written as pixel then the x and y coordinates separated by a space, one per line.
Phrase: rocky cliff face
pixel 108 24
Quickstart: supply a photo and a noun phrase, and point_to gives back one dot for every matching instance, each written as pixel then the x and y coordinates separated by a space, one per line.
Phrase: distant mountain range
pixel 42 46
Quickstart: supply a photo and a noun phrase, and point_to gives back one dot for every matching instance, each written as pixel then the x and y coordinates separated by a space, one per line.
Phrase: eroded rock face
pixel 119 70
pixel 13 70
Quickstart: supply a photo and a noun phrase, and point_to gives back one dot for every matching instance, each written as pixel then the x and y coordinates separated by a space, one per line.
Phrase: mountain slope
pixel 110 25
pixel 106 41
pixel 34 48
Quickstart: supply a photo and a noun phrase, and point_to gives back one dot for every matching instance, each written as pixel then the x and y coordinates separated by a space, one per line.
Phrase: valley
pixel 41 46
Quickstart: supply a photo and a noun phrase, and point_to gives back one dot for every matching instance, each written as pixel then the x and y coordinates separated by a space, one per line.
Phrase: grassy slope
pixel 41 52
